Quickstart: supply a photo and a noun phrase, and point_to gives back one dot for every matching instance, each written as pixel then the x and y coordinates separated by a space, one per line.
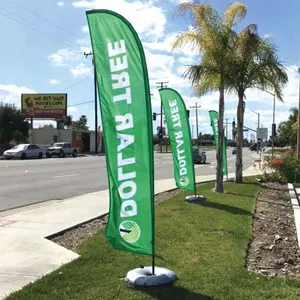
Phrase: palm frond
pixel 191 38
pixel 234 14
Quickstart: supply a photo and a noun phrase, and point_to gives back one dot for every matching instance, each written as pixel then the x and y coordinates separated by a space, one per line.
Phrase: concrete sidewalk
pixel 26 254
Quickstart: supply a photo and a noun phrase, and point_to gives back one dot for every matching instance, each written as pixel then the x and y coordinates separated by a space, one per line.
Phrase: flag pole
pixel 153 237
pixel 195 189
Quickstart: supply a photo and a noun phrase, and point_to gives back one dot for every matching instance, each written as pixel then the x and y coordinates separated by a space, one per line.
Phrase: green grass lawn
pixel 276 151
pixel 207 148
pixel 205 244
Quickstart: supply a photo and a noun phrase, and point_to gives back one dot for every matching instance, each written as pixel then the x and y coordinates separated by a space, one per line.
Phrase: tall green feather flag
pixel 125 106
pixel 214 116
pixel 180 138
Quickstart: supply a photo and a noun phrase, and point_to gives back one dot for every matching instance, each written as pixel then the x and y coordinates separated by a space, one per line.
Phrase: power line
pixel 59 38
pixel 43 18
pixel 77 104
pixel 36 29
pixel 64 89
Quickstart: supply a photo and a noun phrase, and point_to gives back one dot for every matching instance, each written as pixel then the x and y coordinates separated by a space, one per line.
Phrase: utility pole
pixel 298 127
pixel 192 131
pixel 96 106
pixel 196 106
pixel 161 86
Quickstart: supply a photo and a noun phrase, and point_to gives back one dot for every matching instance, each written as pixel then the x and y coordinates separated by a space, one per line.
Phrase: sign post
pixel 262 134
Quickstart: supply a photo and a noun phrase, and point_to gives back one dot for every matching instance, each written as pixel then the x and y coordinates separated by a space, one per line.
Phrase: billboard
pixel 44 106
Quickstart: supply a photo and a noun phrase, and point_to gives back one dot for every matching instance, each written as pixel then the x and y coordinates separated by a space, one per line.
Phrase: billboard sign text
pixel 44 106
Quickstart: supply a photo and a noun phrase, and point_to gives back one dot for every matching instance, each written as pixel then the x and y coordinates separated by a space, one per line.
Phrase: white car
pixel 23 151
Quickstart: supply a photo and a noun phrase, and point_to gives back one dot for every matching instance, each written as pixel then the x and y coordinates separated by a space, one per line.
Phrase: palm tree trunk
pixel 219 179
pixel 240 140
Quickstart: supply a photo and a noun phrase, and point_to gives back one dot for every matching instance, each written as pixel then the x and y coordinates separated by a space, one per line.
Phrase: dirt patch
pixel 274 249
pixel 74 237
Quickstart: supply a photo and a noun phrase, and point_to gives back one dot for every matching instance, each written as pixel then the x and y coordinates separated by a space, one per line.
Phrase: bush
pixel 288 167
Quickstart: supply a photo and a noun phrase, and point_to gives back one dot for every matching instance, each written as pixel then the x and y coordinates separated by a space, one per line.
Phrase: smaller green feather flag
pixel 180 138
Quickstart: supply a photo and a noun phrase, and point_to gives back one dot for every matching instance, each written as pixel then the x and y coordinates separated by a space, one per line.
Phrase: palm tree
pixel 212 37
pixel 255 65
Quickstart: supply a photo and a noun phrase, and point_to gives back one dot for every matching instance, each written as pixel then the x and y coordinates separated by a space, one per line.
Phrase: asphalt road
pixel 24 182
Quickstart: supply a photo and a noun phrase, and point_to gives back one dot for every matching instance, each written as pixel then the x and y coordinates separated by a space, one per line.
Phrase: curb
pixel 296 208
pixel 61 232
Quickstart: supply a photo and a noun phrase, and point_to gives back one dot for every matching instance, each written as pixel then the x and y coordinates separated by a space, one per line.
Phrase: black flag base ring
pixel 195 198
pixel 143 277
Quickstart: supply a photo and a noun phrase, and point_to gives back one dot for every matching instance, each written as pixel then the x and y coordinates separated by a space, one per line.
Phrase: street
pixel 25 182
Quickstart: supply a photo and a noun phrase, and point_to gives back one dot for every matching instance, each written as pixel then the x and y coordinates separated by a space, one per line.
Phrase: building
pixel 83 140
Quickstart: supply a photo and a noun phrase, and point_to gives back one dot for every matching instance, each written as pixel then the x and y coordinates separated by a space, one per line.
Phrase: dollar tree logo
pixel 184 181
pixel 130 231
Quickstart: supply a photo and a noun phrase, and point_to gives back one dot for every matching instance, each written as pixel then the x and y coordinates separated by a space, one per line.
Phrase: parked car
pixel 253 147
pixel 23 151
pixel 199 156
pixel 234 150
pixel 61 150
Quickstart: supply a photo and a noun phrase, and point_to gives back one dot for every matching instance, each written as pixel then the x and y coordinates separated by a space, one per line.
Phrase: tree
pixel 13 125
pixel 161 132
pixel 46 126
pixel 287 130
pixel 68 121
pixel 206 137
pixel 81 123
pixel 255 65
pixel 211 36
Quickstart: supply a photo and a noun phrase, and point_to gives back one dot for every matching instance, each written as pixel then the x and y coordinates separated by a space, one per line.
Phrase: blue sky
pixel 31 61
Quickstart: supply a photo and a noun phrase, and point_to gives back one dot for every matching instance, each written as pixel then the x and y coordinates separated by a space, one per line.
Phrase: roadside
pixel 27 228
pixel 219 230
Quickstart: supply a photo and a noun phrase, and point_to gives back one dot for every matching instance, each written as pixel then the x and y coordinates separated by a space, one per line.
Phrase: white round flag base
pixel 195 198
pixel 142 277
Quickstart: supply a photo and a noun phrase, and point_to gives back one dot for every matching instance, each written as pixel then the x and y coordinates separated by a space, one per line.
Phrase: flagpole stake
pixel 153 265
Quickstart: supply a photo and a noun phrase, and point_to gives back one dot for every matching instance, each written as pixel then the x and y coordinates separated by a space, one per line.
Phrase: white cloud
pixel 72 109
pixel 187 60
pixel 159 65
pixel 165 44
pixel 63 57
pixel 73 60
pixel 146 18
pixel 11 93
pixel 85 28
pixel 80 70
pixel 60 3
pixel 178 1
pixel 53 81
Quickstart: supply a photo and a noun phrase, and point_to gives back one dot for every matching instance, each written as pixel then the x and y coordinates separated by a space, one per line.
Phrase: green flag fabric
pixel 180 138
pixel 125 106
pixel 214 116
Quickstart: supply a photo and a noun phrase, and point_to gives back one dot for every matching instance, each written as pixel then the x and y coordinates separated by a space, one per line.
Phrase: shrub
pixel 269 174
pixel 288 167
